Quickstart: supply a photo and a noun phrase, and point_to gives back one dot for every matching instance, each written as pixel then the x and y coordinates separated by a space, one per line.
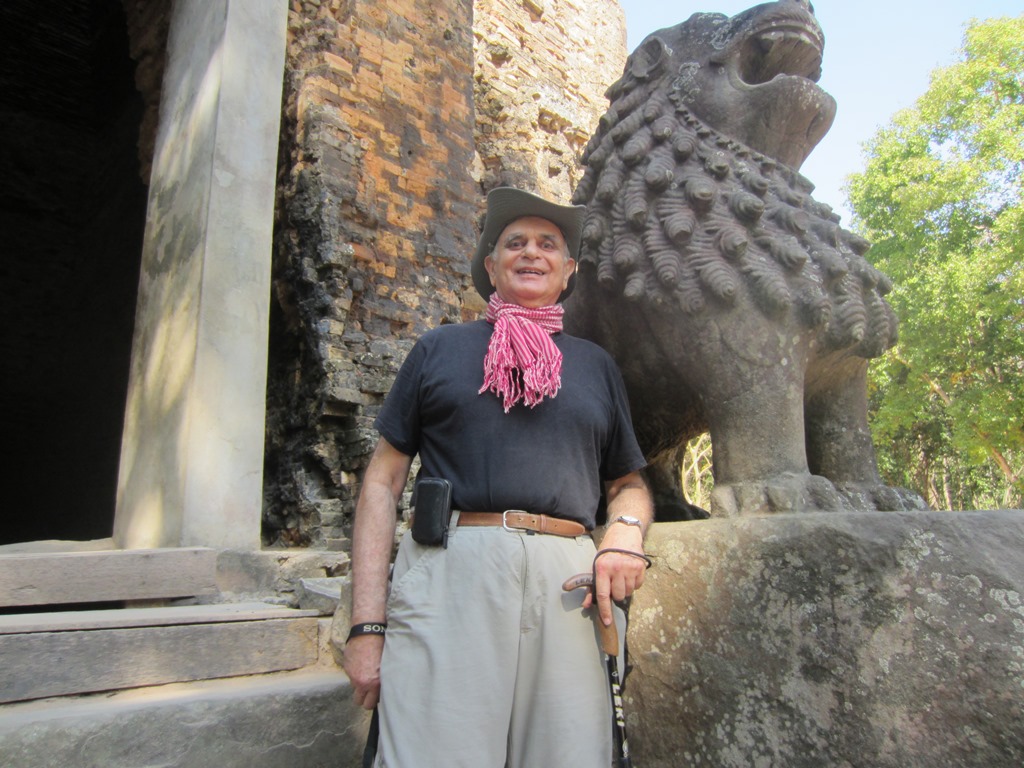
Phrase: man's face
pixel 530 264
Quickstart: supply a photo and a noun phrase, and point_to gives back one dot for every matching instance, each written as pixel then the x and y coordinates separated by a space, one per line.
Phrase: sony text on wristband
pixel 368 628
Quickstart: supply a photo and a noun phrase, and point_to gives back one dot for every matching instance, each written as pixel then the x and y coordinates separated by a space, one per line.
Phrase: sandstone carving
pixel 731 299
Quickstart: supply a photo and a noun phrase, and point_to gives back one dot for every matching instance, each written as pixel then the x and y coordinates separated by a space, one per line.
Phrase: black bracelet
pixel 368 628
pixel 630 552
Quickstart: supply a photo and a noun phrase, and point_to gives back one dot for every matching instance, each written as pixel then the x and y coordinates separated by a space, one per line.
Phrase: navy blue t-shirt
pixel 551 458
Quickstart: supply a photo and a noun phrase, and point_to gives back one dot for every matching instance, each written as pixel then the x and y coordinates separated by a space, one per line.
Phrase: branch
pixel 997 456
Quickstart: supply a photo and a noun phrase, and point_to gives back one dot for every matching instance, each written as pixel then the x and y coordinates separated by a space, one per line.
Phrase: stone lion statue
pixel 731 299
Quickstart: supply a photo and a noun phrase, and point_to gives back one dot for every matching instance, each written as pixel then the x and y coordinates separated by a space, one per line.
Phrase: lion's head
pixel 691 183
pixel 751 77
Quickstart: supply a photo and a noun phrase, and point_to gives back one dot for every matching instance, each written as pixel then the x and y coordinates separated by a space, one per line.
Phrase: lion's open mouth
pixel 781 48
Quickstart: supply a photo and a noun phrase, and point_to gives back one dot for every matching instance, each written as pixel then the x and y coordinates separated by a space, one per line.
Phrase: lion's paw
pixel 809 493
pixel 788 492
pixel 867 497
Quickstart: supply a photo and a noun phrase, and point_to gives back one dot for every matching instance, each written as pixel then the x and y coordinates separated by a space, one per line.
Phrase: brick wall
pixel 383 163
pixel 542 67
pixel 375 218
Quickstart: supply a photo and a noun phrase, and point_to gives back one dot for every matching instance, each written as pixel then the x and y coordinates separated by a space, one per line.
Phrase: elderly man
pixel 476 655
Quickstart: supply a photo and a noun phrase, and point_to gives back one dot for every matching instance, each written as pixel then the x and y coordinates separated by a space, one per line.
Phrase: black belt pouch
pixel 432 511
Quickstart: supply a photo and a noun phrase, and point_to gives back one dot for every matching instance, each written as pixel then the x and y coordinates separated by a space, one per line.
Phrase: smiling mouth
pixel 789 47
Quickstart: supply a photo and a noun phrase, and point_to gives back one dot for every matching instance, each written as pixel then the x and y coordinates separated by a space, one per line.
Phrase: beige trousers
pixel 487 662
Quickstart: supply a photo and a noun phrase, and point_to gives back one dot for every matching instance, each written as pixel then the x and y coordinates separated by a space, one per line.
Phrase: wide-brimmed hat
pixel 505 205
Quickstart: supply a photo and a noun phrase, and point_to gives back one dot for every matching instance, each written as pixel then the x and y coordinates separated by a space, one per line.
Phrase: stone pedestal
pixel 808 640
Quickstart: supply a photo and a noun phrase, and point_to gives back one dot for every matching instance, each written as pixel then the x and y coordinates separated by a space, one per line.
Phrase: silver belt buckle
pixel 504 520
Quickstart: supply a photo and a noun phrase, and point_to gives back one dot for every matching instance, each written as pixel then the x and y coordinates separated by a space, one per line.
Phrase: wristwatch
pixel 627 520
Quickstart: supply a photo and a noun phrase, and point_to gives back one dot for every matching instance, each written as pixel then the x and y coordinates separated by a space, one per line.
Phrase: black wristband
pixel 368 628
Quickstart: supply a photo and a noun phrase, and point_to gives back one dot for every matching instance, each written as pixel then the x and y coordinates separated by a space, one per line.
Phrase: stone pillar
pixel 192 449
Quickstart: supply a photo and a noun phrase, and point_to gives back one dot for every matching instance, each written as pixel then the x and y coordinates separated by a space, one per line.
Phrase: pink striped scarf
pixel 522 362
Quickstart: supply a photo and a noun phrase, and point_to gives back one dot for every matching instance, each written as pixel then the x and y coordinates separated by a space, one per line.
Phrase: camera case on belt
pixel 432 511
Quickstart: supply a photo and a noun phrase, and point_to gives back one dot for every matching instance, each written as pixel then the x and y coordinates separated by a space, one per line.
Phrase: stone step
pixel 59 578
pixel 125 618
pixel 73 652
pixel 303 719
pixel 323 595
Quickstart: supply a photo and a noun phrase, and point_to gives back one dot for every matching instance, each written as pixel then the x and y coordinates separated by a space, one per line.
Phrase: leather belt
pixel 518 520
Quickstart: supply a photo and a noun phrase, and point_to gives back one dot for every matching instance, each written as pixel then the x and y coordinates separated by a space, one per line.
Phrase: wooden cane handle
pixel 609 635
pixel 577 581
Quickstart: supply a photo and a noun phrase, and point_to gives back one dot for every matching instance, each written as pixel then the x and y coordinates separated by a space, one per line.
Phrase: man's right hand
pixel 362 665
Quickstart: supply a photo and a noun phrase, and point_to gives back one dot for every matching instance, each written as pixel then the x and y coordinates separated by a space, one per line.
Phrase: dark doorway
pixel 72 212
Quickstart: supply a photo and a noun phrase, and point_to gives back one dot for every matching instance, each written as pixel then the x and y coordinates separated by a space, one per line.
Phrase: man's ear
pixel 570 268
pixel 489 266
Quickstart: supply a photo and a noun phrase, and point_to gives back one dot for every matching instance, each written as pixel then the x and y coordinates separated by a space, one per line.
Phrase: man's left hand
pixel 618 575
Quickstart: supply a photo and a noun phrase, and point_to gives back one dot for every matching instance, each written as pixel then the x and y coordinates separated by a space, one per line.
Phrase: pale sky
pixel 878 58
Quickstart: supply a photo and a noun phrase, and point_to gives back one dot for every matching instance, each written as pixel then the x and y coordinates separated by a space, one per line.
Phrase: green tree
pixel 941 198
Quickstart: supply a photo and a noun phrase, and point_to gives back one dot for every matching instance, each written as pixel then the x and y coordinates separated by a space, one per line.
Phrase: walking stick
pixel 370 750
pixel 610 646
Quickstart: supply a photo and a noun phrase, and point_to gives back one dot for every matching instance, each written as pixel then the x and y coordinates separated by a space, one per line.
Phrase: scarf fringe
pixel 522 361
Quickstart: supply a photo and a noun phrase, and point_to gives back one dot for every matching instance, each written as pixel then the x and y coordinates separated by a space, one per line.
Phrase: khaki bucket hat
pixel 505 205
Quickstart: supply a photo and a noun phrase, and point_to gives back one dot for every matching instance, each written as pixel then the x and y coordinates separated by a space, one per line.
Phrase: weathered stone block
pixel 321 595
pixel 41 578
pixel 300 720
pixel 275 572
pixel 894 640
pixel 112 650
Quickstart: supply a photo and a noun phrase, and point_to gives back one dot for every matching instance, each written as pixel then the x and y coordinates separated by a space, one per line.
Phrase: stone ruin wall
pixel 371 227
pixel 541 71
pixel 398 116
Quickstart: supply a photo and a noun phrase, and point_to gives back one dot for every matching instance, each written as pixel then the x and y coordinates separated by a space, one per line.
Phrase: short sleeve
pixel 622 453
pixel 399 419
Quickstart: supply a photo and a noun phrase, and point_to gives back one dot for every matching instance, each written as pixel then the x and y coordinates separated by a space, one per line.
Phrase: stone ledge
pixel 90 575
pixel 888 639
pixel 300 720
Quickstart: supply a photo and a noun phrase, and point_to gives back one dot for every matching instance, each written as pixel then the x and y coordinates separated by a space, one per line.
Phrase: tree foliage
pixel 941 198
